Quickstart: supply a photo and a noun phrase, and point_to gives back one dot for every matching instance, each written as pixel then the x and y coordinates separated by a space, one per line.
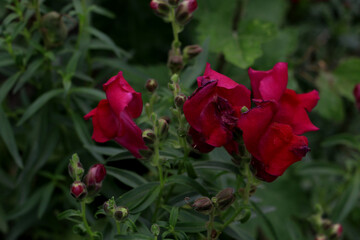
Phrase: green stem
pixel 118 228
pixel 176 43
pixel 83 214
pixel 210 225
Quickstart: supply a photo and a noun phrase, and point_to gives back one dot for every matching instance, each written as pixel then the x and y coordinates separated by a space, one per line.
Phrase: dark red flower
pixel 357 95
pixel 78 190
pixel 113 117
pixel 271 130
pixel 214 108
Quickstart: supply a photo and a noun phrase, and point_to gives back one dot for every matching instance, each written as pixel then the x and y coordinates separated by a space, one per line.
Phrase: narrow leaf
pixel 127 177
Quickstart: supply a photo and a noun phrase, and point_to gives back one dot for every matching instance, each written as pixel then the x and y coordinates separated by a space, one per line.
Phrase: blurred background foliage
pixel 55 55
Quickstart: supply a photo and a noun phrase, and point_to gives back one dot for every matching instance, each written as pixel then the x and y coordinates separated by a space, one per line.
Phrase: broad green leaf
pixel 7 85
pixel 271 11
pixel 217 166
pixel 147 201
pixel 95 94
pixel 266 220
pixel 29 73
pixel 187 181
pixel 45 199
pixel 7 134
pixel 127 177
pixel 348 199
pixel 39 103
pixel 347 74
pixel 330 105
pixel 101 11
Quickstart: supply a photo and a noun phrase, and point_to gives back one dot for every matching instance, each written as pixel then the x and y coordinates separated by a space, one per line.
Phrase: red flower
pixel 113 117
pixel 270 130
pixel 96 174
pixel 357 95
pixel 214 108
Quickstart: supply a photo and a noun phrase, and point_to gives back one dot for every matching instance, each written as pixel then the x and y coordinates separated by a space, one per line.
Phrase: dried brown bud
pixel 149 136
pixel 175 63
pixel 225 198
pixel 180 100
pixel 151 85
pixel 203 205
pixel 191 51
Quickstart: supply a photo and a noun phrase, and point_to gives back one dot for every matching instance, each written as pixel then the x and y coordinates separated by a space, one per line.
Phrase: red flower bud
pixel 184 11
pixel 94 178
pixel 336 231
pixel 160 7
pixel 78 190
pixel 357 95
pixel 151 85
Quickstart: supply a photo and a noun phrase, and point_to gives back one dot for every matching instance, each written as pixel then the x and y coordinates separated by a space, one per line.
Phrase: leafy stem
pixel 210 225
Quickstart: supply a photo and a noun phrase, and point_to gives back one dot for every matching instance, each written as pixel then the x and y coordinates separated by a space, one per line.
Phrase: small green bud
pixel 203 205
pixel 151 85
pixel 225 198
pixel 180 100
pixel 75 168
pixel 163 128
pixel 244 109
pixel 175 62
pixel 149 136
pixel 155 230
pixel 109 206
pixel 121 213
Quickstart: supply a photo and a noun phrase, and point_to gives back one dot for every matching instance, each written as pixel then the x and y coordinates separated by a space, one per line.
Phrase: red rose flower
pixel 270 130
pixel 357 95
pixel 213 110
pixel 113 117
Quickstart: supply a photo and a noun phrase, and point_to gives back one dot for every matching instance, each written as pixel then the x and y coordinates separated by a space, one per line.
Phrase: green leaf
pixel 6 133
pixel 319 168
pixel 191 227
pixel 108 151
pixel 347 74
pixel 135 236
pixel 7 85
pixel 133 197
pixel 101 11
pixel 174 216
pixel 3 224
pixel 217 166
pixel 266 220
pixel 94 94
pixel 72 64
pixel 45 199
pixel 127 177
pixel 29 73
pixel 5 180
pixel 345 139
pixel 39 103
pixel 348 199
pixel 69 214
pixel 330 105
pixel 147 201
pixel 184 180
pixel 121 156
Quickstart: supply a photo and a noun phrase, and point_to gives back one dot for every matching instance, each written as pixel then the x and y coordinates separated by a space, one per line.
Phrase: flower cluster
pixel 271 130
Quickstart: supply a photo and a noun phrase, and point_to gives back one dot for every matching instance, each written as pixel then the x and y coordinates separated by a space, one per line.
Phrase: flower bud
pixel 336 231
pixel 184 11
pixel 225 198
pixel 109 206
pixel 75 168
pixel 121 213
pixel 94 178
pixel 180 100
pixel 146 153
pixel 163 128
pixel 78 190
pixel 357 95
pixel 321 237
pixel 155 230
pixel 53 29
pixel 191 51
pixel 151 85
pixel 203 205
pixel 244 109
pixel 149 136
pixel 160 7
pixel 175 63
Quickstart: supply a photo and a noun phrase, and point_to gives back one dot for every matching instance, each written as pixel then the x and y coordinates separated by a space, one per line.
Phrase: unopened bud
pixel 151 85
pixel 180 100
pixel 160 7
pixel 155 230
pixel 336 231
pixel 53 29
pixel 225 198
pixel 121 213
pixel 174 2
pixel 244 109
pixel 109 206
pixel 78 190
pixel 184 11
pixel 163 127
pixel 203 205
pixel 326 224
pixel 192 51
pixel 94 178
pixel 175 63
pixel 75 168
pixel 149 136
